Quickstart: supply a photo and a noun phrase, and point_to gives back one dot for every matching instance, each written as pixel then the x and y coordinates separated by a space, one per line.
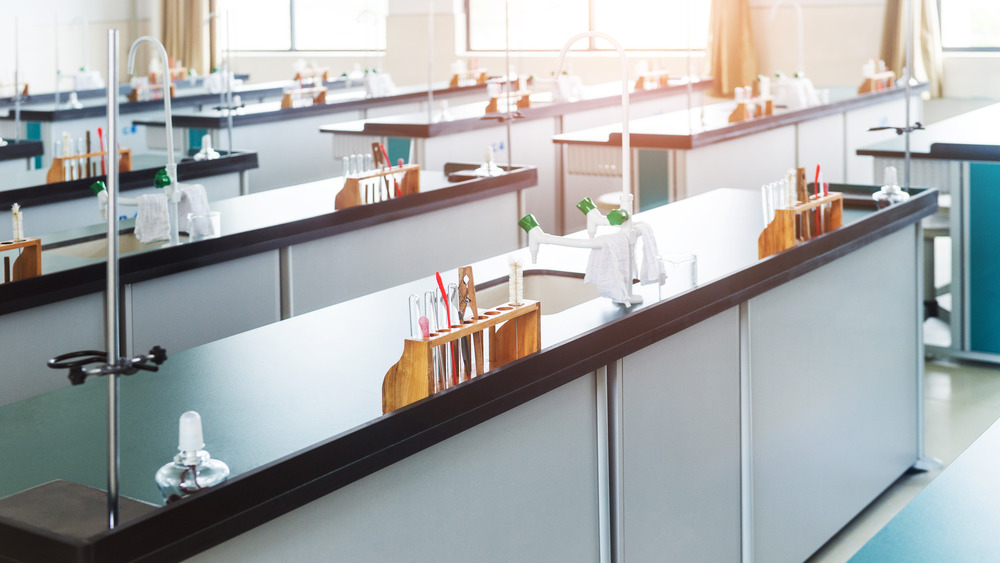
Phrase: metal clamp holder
pixel 74 361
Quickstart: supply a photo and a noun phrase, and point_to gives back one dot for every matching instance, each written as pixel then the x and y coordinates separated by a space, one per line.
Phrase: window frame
pixel 592 42
pixel 959 49
pixel 293 49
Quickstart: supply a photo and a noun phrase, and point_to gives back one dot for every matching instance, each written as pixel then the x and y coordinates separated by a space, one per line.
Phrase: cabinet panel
pixel 681 450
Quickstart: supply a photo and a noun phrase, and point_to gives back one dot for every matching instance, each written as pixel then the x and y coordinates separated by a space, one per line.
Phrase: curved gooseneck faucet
pixel 800 67
pixel 172 192
pixel 626 202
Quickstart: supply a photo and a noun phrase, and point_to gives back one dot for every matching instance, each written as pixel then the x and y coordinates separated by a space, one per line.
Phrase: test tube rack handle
pixel 786 230
pixel 316 93
pixel 652 79
pixel 514 331
pixel 877 82
pixel 28 264
pixel 741 113
pixel 350 194
pixel 133 95
pixel 57 172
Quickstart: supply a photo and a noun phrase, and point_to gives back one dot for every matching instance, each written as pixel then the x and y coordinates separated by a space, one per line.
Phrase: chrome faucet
pixel 170 188
pixel 621 217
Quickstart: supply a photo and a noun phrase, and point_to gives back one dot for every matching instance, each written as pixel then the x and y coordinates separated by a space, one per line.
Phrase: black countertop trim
pixel 281 114
pixel 135 179
pixel 757 125
pixel 248 500
pixel 942 151
pixel 21 149
pixel 57 286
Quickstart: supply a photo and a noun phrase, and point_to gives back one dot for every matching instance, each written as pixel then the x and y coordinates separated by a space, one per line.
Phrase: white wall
pixel 81 34
pixel 839 36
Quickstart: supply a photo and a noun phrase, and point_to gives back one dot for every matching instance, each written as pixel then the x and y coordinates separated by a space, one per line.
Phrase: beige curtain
pixel 185 33
pixel 732 58
pixel 928 62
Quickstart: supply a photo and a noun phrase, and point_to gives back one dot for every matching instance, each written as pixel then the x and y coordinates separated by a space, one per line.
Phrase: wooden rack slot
pixel 28 264
pixel 133 95
pixel 514 331
pixel 57 172
pixel 176 73
pixel 878 82
pixel 791 226
pixel 317 95
pixel 351 194
pixel 523 98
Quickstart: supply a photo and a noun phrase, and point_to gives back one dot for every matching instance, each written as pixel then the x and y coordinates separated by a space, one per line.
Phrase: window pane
pixel 340 25
pixel 534 24
pixel 255 24
pixel 970 23
pixel 652 24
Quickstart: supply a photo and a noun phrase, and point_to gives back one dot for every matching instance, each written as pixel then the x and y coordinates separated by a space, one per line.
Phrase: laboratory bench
pixel 57 206
pixel 16 156
pixel 467 130
pixel 960 156
pixel 43 120
pixel 280 253
pixel 687 427
pixel 688 152
pixel 290 148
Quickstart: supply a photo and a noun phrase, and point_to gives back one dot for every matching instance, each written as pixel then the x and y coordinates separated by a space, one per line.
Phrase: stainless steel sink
pixel 557 291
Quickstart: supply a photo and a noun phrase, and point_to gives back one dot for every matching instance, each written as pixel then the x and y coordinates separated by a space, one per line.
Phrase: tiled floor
pixel 961 401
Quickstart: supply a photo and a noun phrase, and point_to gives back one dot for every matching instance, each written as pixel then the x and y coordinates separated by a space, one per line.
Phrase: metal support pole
pixel 909 74
pixel 111 328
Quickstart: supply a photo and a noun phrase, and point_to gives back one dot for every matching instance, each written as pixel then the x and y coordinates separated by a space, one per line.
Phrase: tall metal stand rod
pixel 111 328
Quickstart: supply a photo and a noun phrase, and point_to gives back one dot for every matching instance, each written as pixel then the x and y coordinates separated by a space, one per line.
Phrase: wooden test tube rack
pixel 28 264
pixel 57 172
pixel 412 377
pixel 791 226
pixel 523 98
pixel 350 194
pixel 479 75
pixel 133 95
pixel 878 82
pixel 317 94
pixel 652 79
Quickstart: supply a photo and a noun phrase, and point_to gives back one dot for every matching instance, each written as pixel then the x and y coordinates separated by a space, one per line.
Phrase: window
pixel 970 24
pixel 548 24
pixel 305 25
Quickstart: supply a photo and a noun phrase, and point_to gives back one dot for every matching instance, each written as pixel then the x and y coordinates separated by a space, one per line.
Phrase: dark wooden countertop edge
pixel 212 122
pixel 187 170
pixel 135 268
pixel 198 523
pixel 639 140
pixel 21 149
pixel 428 130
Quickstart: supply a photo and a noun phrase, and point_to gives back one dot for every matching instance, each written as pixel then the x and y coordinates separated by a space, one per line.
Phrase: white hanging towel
pixel 650 269
pixel 194 200
pixel 152 222
pixel 608 268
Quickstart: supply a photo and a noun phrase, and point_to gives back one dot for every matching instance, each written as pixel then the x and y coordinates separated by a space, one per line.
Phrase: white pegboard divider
pixel 346 145
pixel 594 161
